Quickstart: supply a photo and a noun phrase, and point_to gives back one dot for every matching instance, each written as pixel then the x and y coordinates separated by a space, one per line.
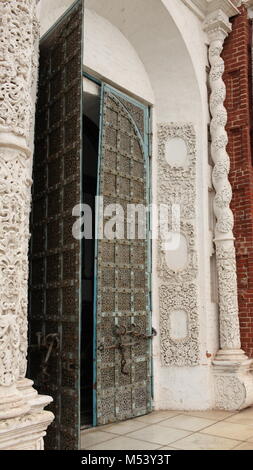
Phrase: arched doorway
pixel 119 53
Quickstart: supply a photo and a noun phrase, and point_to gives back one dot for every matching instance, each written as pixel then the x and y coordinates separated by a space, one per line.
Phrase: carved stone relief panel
pixel 177 262
pixel 19 32
pixel 14 233
pixel 230 392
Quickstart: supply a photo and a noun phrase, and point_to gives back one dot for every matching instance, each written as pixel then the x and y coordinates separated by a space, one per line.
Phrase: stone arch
pixel 169 61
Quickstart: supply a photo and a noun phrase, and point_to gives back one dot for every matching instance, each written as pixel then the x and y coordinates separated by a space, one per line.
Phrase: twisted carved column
pixel 233 382
pixel 18 68
pixel 224 239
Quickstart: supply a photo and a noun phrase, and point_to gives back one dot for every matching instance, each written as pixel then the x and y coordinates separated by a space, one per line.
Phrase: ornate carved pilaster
pixel 231 366
pixel 18 63
pixel 14 210
pixel 218 26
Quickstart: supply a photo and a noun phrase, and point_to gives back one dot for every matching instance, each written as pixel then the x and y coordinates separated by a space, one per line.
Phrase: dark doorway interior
pixel 90 164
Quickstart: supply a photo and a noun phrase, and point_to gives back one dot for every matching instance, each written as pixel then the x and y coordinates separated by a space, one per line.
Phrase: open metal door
pixel 122 350
pixel 55 256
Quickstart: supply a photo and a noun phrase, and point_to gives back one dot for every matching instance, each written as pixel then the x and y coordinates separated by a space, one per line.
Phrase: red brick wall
pixel 238 79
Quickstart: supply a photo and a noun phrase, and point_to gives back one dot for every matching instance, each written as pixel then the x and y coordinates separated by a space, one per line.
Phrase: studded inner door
pixel 123 323
pixel 54 254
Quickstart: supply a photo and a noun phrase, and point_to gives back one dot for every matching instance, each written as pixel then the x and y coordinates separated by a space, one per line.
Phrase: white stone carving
pixel 183 351
pixel 189 271
pixel 217 26
pixel 18 72
pixel 25 432
pixel 206 6
pixel 228 303
pixel 230 393
pixel 178 289
pixel 22 419
pixel 232 376
pixel 9 349
pixel 17 34
pixel 15 184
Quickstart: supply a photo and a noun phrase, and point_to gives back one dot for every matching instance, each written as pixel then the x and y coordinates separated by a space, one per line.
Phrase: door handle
pixel 120 332
pixel 138 334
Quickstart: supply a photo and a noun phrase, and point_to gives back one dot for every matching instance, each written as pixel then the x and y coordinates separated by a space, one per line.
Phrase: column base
pixel 233 380
pixel 24 429
pixel 12 403
pixel 25 432
pixel 36 402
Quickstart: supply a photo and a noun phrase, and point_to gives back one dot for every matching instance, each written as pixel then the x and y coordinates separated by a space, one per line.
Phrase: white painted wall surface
pixel 155 50
pixel 105 52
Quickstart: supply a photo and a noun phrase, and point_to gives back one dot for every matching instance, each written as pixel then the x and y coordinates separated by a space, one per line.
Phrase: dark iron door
pixel 122 297
pixel 55 287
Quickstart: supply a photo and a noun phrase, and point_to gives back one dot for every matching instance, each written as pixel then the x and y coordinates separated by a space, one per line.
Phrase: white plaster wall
pixel 152 32
pixel 105 53
pixel 155 50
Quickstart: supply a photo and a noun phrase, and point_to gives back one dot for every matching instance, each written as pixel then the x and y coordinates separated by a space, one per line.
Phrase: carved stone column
pixel 233 380
pixel 22 421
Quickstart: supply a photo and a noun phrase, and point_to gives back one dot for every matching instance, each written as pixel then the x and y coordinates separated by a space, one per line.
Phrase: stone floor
pixel 172 430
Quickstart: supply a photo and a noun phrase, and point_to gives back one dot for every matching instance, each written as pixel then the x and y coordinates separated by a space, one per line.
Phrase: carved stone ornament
pixel 185 351
pixel 15 185
pixel 25 432
pixel 228 302
pixel 22 419
pixel 217 26
pixel 178 287
pixel 230 393
pixel 189 271
pixel 231 367
pixel 18 33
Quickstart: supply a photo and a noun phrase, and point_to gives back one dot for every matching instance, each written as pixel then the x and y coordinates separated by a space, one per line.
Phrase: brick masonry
pixel 237 55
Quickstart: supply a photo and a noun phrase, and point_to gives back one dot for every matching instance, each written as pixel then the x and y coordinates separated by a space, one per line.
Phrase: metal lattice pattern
pixel 55 254
pixel 122 270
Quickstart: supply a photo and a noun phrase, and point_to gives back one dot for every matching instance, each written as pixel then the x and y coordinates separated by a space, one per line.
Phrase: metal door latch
pixel 47 343
pixel 120 332
pixel 136 331
pixel 52 341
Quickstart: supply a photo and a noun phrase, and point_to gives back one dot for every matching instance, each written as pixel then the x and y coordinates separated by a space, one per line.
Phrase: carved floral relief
pixel 178 289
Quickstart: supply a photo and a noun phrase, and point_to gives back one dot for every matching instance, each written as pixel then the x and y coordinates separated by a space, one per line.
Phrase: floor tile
pixel 125 443
pixel 159 434
pixel 215 415
pixel 247 411
pixel 157 416
pixel 189 423
pixel 175 430
pixel 124 427
pixel 93 437
pixel 167 448
pixel 240 419
pixel 199 441
pixel 241 432
pixel 243 417
pixel 245 446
